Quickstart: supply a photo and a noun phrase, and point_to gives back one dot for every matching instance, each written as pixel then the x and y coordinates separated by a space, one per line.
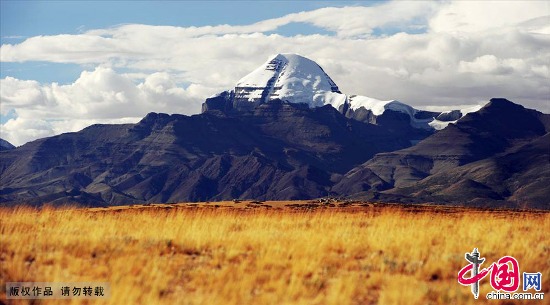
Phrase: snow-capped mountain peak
pixel 289 77
pixel 296 79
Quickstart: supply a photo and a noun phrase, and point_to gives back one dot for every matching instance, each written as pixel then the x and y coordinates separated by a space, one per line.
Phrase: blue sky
pixel 23 19
pixel 31 18
pixel 67 64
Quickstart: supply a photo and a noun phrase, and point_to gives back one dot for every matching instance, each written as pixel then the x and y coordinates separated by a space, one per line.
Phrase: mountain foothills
pixel 287 132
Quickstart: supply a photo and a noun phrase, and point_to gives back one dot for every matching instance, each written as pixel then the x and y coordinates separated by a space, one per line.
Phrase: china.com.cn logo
pixel 504 276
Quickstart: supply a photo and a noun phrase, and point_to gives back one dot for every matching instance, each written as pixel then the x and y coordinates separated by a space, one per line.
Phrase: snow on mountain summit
pixel 296 79
pixel 289 77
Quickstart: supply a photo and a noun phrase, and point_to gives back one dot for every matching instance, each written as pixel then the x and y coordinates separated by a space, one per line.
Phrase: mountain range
pixel 285 131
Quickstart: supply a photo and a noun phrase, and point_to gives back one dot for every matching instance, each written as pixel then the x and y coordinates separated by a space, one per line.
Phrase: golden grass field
pixel 243 253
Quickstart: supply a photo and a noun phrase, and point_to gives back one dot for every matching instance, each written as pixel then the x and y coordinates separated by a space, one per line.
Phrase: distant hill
pixel 497 156
pixel 5 145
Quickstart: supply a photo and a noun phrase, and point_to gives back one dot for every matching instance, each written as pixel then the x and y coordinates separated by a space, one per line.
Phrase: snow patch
pixel 438 125
pixel 377 106
pixel 475 108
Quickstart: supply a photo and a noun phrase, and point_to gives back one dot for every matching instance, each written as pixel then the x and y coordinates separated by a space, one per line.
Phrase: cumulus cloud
pixel 430 54
pixel 138 41
pixel 99 96
pixel 22 130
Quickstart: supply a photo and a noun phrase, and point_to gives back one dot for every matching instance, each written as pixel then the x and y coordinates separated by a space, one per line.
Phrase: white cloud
pixel 487 64
pixel 99 96
pixel 21 130
pixel 361 21
pixel 470 51
pixel 480 16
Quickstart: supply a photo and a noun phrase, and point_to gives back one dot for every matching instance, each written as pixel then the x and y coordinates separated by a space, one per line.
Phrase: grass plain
pixel 268 253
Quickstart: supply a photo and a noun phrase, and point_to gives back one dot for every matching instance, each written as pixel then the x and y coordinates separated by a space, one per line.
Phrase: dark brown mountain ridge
pixel 498 156
pixel 278 151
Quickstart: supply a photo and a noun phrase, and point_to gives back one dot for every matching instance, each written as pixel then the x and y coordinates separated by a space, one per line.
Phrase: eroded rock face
pixel 222 102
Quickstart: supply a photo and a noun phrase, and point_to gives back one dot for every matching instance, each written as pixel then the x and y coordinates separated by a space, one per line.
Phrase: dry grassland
pixel 253 254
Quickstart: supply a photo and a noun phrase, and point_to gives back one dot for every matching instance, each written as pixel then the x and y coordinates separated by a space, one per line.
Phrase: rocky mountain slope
pixel 497 156
pixel 278 151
